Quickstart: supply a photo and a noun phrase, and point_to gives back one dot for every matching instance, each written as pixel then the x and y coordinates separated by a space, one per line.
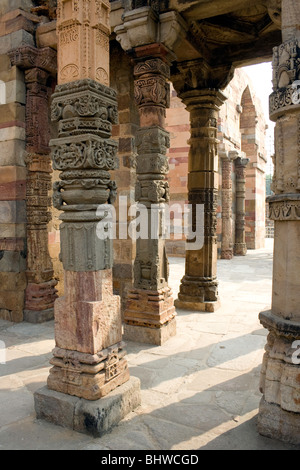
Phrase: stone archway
pixel 255 192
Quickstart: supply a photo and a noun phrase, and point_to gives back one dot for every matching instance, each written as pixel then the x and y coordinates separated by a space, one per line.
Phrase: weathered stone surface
pixel 89 360
pixel 38 316
pixel 15 39
pixel 95 418
pixel 88 317
pixel 279 415
pixel 276 423
pixel 12 261
pixel 146 335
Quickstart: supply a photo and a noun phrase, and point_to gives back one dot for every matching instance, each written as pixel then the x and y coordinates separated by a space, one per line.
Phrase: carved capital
pixel 195 75
pixel 151 87
pixel 241 163
pixel 28 57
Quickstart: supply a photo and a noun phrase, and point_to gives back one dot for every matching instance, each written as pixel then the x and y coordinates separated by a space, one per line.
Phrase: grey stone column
pixel 240 247
pixel 150 314
pixel 279 413
pixel 199 286
pixel 227 235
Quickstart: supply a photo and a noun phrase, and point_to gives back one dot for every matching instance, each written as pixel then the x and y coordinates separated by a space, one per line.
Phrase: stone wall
pixel 16 28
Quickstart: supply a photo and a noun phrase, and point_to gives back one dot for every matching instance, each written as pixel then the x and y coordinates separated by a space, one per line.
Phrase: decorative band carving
pixel 284 209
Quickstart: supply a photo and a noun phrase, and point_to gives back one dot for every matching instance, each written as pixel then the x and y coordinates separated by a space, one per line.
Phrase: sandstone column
pixel 279 414
pixel 39 66
pixel 227 239
pixel 89 359
pixel 150 313
pixel 148 38
pixel 240 247
pixel 202 97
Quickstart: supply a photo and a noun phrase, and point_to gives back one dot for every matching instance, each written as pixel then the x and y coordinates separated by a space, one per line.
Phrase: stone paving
pixel 199 390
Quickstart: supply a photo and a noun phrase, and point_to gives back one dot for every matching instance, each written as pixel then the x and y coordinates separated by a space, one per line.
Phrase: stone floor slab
pixel 199 390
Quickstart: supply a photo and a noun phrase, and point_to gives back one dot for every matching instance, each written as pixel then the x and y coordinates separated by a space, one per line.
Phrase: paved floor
pixel 199 390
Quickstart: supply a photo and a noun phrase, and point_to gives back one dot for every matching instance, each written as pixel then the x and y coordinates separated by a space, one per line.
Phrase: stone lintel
pixel 89 417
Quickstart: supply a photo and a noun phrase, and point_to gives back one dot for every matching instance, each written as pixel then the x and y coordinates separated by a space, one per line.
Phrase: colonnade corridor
pixel 200 390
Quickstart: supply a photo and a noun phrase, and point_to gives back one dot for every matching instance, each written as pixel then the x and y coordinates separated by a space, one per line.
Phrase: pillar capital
pixel 28 57
pixel 242 162
pixel 195 78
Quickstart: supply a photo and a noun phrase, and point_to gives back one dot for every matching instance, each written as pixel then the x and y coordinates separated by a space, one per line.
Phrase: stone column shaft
pixel 39 66
pixel 240 247
pixel 227 242
pixel 279 413
pixel 150 312
pixel 199 287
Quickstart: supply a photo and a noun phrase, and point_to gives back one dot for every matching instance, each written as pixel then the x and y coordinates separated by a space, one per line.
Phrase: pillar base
pixel 88 417
pixel 197 306
pixel 157 336
pixel 227 254
pixel 150 316
pixel 240 249
pixel 41 316
pixel 88 376
pixel 276 423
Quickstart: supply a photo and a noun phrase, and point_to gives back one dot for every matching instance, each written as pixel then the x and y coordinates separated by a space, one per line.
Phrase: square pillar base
pixel 276 423
pixel 41 316
pixel 88 417
pixel 143 334
pixel 197 306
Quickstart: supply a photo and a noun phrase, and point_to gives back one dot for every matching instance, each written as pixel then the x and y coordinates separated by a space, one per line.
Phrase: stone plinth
pixel 150 316
pixel 84 416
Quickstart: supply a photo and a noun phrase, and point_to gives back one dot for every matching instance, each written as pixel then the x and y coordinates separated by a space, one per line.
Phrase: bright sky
pixel 261 77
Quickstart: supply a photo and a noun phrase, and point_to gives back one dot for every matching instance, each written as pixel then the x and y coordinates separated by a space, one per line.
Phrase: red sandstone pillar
pixel 40 67
pixel 199 286
pixel 150 314
pixel 89 360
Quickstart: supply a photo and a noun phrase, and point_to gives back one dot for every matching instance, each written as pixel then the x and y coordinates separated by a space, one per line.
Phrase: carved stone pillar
pixel 240 247
pixel 199 286
pixel 149 38
pixel 227 239
pixel 279 413
pixel 150 312
pixel 39 65
pixel 89 361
